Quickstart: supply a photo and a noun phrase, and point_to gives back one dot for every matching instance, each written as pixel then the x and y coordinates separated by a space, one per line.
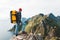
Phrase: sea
pixel 5 25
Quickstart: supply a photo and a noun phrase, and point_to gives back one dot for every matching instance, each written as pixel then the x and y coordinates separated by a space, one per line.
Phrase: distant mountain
pixel 51 16
pixel 20 28
pixel 23 20
pixel 58 16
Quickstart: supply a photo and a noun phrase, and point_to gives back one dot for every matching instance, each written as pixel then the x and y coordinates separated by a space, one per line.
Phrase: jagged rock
pixel 48 26
pixel 35 23
pixel 27 37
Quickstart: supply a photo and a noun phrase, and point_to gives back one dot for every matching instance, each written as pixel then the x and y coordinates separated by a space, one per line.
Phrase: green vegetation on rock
pixel 48 26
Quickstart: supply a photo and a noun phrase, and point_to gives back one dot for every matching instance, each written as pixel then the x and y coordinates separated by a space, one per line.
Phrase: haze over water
pixel 4 27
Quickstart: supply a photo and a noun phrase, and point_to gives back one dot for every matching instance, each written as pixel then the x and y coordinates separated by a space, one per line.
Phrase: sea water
pixel 5 25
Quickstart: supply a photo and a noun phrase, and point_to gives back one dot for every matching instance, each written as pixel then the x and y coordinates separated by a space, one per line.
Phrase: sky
pixel 29 7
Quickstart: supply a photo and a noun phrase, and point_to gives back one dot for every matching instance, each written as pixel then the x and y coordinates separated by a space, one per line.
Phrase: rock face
pixel 35 24
pixel 27 37
pixel 47 25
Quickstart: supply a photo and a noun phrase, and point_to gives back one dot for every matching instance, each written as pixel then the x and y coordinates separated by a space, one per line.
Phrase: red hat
pixel 20 9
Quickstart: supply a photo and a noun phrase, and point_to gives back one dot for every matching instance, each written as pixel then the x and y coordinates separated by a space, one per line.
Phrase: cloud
pixel 30 7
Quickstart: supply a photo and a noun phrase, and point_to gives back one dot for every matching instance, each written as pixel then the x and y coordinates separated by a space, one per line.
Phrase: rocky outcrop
pixel 30 36
pixel 47 25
